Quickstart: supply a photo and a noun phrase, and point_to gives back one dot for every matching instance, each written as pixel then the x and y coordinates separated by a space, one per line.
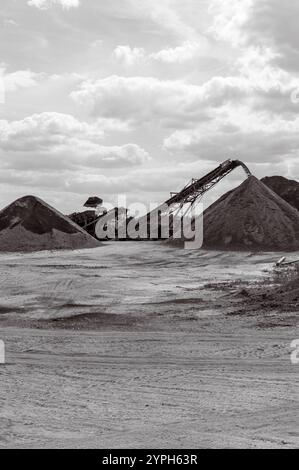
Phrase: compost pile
pixel 29 224
pixel 252 217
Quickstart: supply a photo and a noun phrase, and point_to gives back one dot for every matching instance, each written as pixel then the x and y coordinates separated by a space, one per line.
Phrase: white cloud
pixel 189 50
pixel 129 56
pixel 229 18
pixel 39 131
pixel 128 155
pixel 168 15
pixel 44 4
pixel 259 23
pixel 276 27
pixel 141 99
pixel 14 81
pixel 54 140
pixel 241 134
pixel 20 79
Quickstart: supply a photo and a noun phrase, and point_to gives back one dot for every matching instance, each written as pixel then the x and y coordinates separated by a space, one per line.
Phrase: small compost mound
pixel 29 224
pixel 252 217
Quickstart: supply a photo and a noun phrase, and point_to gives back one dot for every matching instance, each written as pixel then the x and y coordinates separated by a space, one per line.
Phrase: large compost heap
pixel 29 224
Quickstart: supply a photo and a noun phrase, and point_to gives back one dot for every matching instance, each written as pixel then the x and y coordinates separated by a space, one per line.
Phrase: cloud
pixel 20 79
pixel 168 15
pixel 141 99
pixel 128 155
pixel 229 19
pixel 129 56
pixel 38 131
pixel 260 23
pixel 54 140
pixel 268 50
pixel 277 28
pixel 45 4
pixel 239 134
pixel 187 51
pixel 175 104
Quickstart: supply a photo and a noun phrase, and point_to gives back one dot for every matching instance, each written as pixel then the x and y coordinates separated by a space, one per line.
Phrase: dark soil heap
pixel 29 224
pixel 252 217
pixel 285 188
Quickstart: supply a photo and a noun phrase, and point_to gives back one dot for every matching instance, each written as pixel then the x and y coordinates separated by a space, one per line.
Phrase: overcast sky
pixel 137 97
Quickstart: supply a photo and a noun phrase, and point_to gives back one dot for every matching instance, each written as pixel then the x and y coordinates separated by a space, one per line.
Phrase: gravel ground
pixel 142 345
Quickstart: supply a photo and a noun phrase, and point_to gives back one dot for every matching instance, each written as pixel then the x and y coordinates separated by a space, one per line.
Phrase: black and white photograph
pixel 149 227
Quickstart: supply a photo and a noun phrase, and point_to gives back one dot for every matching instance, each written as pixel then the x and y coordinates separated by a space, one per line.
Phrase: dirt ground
pixel 139 345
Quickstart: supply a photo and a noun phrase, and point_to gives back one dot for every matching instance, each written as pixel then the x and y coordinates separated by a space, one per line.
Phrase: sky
pixel 136 98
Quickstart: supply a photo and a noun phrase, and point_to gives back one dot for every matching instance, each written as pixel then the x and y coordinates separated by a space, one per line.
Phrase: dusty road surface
pixel 141 345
